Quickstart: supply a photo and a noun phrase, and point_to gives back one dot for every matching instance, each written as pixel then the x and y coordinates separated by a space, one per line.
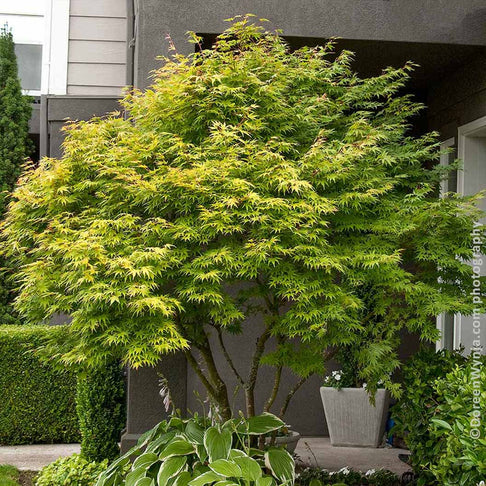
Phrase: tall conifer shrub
pixel 15 112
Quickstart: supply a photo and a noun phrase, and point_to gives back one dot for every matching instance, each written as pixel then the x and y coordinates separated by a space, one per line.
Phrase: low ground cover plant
pixel 71 471
pixel 347 477
pixel 9 475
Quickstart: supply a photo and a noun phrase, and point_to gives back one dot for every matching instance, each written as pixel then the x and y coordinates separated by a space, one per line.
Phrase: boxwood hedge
pixel 38 402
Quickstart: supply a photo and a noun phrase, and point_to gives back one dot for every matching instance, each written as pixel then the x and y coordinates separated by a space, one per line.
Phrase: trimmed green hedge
pixel 101 410
pixel 38 402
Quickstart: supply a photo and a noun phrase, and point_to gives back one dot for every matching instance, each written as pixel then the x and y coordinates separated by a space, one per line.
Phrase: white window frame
pixel 464 131
pixel 444 161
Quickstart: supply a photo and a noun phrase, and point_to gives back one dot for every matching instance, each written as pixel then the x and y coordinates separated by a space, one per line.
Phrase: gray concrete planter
pixel 289 441
pixel 351 419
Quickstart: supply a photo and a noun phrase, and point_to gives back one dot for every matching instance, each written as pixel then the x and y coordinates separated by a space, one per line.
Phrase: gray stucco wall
pixel 428 21
pixel 55 110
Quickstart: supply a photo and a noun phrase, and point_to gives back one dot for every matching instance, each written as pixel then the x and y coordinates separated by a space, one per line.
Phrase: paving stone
pixel 35 457
pixel 358 458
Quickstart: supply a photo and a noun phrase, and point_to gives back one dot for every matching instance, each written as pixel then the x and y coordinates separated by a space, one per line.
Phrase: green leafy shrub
pixel 434 416
pixel 193 452
pixel 347 477
pixel 459 444
pixel 71 471
pixel 100 402
pixel 38 400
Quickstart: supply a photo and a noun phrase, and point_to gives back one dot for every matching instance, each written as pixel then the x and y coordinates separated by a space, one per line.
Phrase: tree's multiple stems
pixel 215 385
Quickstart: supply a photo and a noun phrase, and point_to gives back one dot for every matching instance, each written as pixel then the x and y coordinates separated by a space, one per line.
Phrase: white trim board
pixel 55 52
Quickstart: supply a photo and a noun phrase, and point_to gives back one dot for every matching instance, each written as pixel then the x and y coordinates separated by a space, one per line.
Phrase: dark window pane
pixel 448 331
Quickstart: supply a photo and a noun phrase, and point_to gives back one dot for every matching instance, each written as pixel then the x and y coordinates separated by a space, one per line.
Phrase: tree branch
pixel 291 394
pixel 195 366
pixel 252 376
pixel 220 387
pixel 276 386
pixel 228 357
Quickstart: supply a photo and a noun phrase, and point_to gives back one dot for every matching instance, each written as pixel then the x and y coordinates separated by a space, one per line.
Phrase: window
pixel 29 59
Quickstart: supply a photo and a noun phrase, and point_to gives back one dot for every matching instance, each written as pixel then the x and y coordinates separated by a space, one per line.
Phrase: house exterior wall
pixel 458 99
pixel 431 21
pixel 97 47
pixel 56 109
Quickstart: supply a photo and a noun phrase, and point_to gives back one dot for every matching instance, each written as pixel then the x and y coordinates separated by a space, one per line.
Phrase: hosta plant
pixel 192 452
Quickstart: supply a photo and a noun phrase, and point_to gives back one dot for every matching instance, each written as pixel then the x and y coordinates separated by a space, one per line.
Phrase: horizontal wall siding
pixel 97 47
pixel 99 8
pixel 95 90
pixel 97 52
pixel 96 74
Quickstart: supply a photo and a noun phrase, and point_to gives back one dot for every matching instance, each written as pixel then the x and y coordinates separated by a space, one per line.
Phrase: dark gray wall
pixel 458 98
pixel 305 413
pixel 34 122
pixel 145 407
pixel 425 21
pixel 55 110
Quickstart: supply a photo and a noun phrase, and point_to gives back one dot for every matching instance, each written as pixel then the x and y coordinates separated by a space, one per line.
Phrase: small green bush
pixel 195 451
pixel 435 415
pixel 414 412
pixel 100 404
pixel 38 400
pixel 459 444
pixel 71 471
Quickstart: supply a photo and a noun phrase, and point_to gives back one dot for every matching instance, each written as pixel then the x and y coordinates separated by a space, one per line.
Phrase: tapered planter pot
pixel 288 441
pixel 351 419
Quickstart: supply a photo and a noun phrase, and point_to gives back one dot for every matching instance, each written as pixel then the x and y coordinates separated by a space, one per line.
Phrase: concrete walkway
pixel 35 457
pixel 310 449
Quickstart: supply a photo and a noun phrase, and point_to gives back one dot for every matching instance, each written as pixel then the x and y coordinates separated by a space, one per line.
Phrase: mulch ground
pixel 27 478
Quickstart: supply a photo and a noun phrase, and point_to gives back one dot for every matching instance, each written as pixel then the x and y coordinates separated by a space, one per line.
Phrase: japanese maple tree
pixel 248 179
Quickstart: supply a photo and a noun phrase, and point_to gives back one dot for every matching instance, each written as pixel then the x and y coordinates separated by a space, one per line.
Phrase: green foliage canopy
pixel 248 178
